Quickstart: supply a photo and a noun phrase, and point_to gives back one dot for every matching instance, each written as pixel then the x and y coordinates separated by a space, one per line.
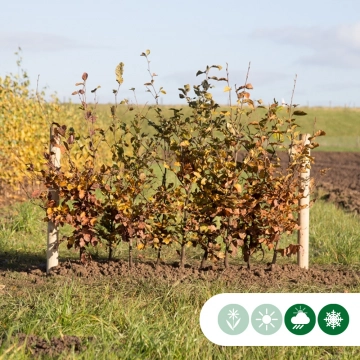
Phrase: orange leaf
pixel 81 194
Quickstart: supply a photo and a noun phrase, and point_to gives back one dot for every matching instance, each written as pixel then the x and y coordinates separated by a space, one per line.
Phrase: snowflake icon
pixel 333 319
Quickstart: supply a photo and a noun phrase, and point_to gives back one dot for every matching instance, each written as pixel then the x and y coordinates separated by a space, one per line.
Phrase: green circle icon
pixel 333 319
pixel 266 319
pixel 233 319
pixel 300 319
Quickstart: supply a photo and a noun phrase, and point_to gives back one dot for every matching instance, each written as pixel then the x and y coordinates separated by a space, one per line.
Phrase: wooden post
pixel 52 255
pixel 304 214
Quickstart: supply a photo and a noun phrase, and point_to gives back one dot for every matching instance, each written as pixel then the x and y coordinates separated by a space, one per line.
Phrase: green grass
pixel 134 318
pixel 134 321
pixel 342 125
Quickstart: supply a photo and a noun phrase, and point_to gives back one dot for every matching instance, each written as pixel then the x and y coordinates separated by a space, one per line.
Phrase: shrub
pixel 181 183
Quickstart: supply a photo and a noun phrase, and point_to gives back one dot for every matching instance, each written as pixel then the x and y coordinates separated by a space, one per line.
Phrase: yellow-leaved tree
pixel 25 119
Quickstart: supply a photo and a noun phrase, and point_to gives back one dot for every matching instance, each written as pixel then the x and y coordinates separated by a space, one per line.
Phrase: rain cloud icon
pixel 300 320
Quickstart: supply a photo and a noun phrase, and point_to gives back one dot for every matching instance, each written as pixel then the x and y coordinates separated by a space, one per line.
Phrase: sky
pixel 316 41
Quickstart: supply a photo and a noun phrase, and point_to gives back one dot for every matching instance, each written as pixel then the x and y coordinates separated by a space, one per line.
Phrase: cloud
pixel 300 319
pixel 337 46
pixel 33 41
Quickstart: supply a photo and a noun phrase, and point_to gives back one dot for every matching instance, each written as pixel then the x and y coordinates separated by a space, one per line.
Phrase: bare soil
pixel 341 183
pixel 240 276
pixel 38 346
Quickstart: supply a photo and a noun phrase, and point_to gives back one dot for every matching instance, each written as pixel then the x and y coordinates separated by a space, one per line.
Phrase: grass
pixel 340 124
pixel 137 321
pixel 135 318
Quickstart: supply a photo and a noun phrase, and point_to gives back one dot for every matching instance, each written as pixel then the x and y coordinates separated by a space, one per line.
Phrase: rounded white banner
pixel 282 319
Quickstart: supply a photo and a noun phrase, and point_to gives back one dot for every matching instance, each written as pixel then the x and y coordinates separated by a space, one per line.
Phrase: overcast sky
pixel 319 40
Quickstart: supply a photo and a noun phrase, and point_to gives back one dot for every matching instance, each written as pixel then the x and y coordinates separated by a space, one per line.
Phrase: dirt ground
pixel 341 183
pixel 266 274
pixel 37 346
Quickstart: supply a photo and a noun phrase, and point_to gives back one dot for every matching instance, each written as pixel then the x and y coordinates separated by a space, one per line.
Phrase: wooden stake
pixel 304 214
pixel 52 254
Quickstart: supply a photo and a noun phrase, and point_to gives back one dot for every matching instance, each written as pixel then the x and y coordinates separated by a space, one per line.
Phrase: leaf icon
pixel 236 324
pixel 230 326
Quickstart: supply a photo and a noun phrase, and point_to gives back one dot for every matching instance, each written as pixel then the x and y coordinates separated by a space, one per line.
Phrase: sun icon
pixel 300 310
pixel 266 319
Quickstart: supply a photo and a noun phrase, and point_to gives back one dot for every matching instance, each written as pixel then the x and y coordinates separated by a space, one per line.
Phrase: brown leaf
pixel 240 243
pixel 228 212
pixel 242 235
pixel 212 228
pixel 84 221
pixel 243 94
pixel 289 250
pixel 87 237
pixel 81 194
pixel 83 258
pixel 233 249
pixel 84 76
pixel 35 193
pixel 51 204
pixel 238 188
